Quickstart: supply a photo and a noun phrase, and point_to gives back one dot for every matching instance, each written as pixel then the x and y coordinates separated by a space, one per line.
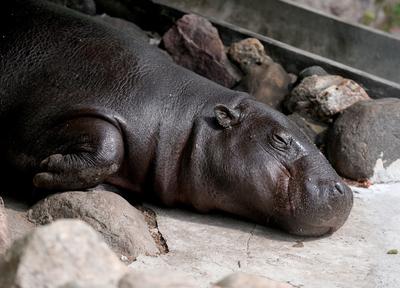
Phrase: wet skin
pixel 83 103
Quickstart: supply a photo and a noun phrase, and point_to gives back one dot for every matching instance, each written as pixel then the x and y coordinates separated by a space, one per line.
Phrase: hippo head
pixel 273 174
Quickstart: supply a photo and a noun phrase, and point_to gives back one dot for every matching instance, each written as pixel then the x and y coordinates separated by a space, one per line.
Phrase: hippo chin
pixel 84 104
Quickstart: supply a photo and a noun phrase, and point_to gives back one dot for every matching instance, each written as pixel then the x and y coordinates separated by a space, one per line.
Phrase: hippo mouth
pixel 320 211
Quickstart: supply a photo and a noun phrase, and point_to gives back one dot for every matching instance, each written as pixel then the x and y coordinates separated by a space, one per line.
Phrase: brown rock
pixel 67 253
pixel 267 81
pixel 247 53
pixel 122 226
pixel 154 280
pixel 195 44
pixel 240 280
pixel 322 97
pixel 3 228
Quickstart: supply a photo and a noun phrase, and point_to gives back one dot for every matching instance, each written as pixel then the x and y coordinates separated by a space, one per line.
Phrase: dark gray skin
pixel 84 104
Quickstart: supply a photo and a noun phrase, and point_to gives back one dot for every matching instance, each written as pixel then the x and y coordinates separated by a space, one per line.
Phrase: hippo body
pixel 84 104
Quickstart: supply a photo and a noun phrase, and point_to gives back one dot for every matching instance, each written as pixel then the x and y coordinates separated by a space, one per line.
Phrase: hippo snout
pixel 318 207
pixel 318 201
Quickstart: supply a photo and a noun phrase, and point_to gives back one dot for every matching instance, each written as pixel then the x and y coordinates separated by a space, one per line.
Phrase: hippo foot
pixel 81 164
pixel 60 174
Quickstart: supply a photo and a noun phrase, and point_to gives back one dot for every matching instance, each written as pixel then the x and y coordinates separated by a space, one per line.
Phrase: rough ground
pixel 206 248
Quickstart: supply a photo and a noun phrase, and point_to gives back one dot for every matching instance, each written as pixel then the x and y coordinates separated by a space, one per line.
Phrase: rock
pixel 315 131
pixel 18 223
pixel 322 97
pixel 313 70
pixel 62 254
pixel 267 81
pixel 122 225
pixel 247 53
pixel 84 6
pixel 195 44
pixel 239 280
pixel 154 280
pixel 364 142
pixel 3 228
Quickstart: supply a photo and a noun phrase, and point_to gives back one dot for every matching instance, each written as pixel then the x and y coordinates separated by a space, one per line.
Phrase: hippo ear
pixel 226 117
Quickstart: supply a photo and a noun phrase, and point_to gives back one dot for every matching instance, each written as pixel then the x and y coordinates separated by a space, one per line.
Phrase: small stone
pixel 154 280
pixel 313 70
pixel 322 97
pixel 240 280
pixel 298 244
pixel 122 225
pixel 4 240
pixel 265 80
pixel 193 42
pixel 247 53
pixel 66 253
pixel 84 6
pixel 393 252
pixel 364 143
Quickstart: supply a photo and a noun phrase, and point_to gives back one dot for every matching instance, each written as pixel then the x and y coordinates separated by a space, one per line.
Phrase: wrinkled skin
pixel 83 103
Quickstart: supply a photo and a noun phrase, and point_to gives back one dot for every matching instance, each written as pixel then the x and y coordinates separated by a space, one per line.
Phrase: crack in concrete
pixel 248 241
pixel 151 220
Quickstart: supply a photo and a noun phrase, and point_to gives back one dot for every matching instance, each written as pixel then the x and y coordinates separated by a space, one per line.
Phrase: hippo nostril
pixel 340 188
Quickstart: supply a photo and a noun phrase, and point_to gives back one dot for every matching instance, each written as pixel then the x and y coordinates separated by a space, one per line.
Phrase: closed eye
pixel 281 141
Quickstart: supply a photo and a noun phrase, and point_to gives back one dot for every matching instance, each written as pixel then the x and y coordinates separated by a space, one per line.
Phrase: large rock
pixel 67 253
pixel 267 81
pixel 322 97
pixel 365 141
pixel 195 44
pixel 3 228
pixel 239 280
pixel 122 225
pixel 84 6
pixel 17 220
pixel 154 280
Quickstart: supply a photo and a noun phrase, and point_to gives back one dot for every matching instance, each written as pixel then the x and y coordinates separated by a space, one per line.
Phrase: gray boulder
pixel 364 142
pixel 193 42
pixel 122 226
pixel 64 253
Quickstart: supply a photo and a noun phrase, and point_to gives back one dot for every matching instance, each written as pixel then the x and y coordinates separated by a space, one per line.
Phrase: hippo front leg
pixel 89 151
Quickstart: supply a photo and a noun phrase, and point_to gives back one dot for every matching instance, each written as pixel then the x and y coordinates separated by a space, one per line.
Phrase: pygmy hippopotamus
pixel 83 104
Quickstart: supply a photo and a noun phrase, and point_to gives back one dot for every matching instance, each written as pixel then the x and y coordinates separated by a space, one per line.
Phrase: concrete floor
pixel 206 248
